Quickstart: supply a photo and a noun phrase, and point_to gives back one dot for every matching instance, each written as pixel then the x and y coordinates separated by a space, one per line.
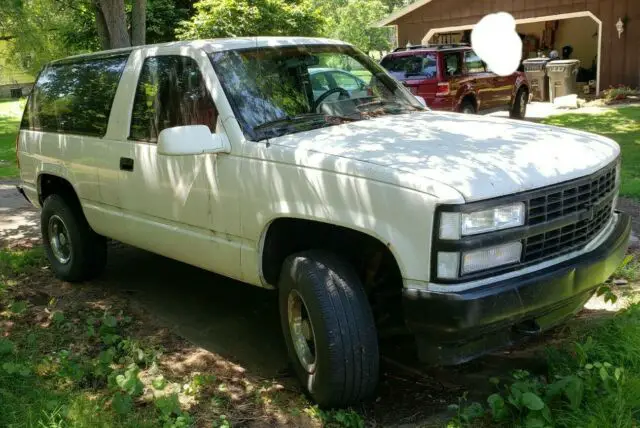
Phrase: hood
pixel 480 157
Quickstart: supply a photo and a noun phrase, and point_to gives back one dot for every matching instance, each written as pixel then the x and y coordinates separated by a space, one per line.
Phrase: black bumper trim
pixel 24 195
pixel 544 296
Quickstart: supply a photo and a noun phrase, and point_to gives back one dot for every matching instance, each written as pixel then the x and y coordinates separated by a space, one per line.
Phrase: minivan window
pixel 452 65
pixel 473 62
pixel 405 67
pixel 170 92
pixel 74 97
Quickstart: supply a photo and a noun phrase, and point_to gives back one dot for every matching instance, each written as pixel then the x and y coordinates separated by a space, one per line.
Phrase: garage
pixel 603 34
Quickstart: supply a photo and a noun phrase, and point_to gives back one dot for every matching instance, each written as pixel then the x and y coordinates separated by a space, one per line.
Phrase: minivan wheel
pixel 75 251
pixel 519 109
pixel 467 107
pixel 328 328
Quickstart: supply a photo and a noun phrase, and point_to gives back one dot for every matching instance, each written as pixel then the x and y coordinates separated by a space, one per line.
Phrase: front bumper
pixel 452 328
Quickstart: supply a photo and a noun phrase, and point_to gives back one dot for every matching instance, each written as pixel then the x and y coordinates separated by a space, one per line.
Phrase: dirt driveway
pixel 240 323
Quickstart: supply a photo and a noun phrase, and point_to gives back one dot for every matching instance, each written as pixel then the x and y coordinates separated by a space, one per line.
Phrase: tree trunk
pixel 116 22
pixel 138 22
pixel 101 28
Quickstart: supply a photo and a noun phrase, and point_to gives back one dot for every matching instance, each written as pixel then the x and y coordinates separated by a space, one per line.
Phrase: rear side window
pixel 74 98
pixel 411 66
pixel 171 92
pixel 473 62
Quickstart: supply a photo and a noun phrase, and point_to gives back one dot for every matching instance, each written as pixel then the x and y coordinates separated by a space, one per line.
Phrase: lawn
pixel 622 125
pixel 10 113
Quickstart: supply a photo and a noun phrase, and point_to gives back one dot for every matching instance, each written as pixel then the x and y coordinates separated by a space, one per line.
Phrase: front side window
pixel 282 90
pixel 170 92
pixel 473 62
pixel 74 97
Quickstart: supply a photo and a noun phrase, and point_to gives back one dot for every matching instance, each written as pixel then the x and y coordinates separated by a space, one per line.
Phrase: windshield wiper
pixel 286 120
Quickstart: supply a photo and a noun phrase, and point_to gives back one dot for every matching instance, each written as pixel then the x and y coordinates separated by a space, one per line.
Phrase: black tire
pixel 519 108
pixel 467 107
pixel 88 250
pixel 346 364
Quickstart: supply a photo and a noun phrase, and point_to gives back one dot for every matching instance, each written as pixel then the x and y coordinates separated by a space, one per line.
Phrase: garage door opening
pixel 582 31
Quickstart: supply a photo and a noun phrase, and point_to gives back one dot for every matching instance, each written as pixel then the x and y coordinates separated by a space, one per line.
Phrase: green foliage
pixel 341 418
pixel 236 18
pixel 353 22
pixel 594 382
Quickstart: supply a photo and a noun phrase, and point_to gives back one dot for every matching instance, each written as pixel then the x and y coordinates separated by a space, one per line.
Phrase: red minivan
pixel 454 78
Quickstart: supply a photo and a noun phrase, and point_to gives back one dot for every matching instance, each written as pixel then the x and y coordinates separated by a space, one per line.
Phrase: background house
pixel 590 27
pixel 14 83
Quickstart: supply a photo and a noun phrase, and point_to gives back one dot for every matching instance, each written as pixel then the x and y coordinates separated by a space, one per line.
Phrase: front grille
pixel 592 193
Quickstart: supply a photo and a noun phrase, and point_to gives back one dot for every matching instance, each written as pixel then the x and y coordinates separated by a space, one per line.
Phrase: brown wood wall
pixel 620 62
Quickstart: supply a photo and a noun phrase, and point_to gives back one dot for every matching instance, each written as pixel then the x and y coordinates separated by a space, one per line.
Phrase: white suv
pixel 366 212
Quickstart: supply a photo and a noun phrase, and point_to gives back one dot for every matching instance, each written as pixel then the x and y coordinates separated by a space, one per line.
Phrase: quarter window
pixel 473 62
pixel 171 92
pixel 74 97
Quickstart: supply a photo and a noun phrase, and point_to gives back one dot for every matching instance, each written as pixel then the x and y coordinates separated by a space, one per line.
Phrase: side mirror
pixel 421 100
pixel 190 140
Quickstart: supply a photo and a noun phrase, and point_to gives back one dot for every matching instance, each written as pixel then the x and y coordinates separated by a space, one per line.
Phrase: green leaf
pixel 57 317
pixel 18 307
pixel 574 392
pixel 6 346
pixel 532 401
pixel 110 321
pixel 122 403
pixel 472 412
pixel 534 421
pixel 129 382
pixel 498 407
pixel 159 383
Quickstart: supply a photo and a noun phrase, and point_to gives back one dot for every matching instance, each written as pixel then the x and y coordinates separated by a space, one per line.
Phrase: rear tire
pixel 467 107
pixel 328 328
pixel 519 108
pixel 75 251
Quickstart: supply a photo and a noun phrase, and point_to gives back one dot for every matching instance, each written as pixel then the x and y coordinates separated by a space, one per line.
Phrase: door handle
pixel 126 164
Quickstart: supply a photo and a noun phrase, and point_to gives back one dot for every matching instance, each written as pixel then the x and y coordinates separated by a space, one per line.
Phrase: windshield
pixel 276 91
pixel 404 67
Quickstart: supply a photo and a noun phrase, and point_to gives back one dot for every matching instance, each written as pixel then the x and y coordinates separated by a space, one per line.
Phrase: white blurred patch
pixel 496 41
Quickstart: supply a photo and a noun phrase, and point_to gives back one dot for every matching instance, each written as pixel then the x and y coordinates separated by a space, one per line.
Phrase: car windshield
pixel 276 91
pixel 416 66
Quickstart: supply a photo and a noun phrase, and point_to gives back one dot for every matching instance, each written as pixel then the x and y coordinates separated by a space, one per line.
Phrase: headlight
pixel 487 258
pixel 455 225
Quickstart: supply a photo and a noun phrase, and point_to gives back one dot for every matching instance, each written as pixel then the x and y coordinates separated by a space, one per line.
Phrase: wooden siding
pixel 620 62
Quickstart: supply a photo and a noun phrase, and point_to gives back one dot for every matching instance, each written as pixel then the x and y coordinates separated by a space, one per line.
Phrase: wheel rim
pixel 59 240
pixel 301 331
pixel 523 104
pixel 468 110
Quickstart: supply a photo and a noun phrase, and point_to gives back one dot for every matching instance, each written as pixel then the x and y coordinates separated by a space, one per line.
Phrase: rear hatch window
pixel 416 66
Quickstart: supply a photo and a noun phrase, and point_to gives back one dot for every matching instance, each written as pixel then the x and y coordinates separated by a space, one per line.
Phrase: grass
pixel 81 357
pixel 10 114
pixel 623 126
pixel 593 380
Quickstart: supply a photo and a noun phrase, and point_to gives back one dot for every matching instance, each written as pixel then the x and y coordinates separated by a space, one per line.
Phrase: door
pixel 482 80
pixel 172 202
pixel 349 82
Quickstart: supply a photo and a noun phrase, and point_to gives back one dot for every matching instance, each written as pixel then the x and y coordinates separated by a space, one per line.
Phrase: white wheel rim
pixel 59 239
pixel 301 331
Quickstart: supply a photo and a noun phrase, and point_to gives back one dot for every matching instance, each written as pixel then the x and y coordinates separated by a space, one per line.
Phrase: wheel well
pixel 49 184
pixel 471 98
pixel 372 259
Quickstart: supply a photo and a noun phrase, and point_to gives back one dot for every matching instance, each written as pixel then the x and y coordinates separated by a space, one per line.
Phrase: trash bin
pixel 562 77
pixel 536 71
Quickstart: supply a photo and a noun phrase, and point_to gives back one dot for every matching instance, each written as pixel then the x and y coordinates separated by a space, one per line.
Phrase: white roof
pixel 401 12
pixel 214 45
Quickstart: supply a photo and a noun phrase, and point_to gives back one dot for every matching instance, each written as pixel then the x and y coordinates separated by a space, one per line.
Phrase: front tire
pixel 467 107
pixel 328 328
pixel 75 251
